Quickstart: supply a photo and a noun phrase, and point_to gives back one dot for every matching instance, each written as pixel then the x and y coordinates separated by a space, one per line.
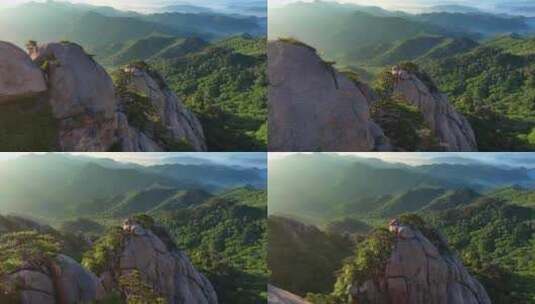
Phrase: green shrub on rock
pixel 403 124
pixel 26 248
pixel 135 291
pixel 99 257
pixel 371 256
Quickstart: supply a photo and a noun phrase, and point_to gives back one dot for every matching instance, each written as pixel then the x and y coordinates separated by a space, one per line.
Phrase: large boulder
pixel 180 124
pixel 417 272
pixel 82 96
pixel 312 107
pixel 450 127
pixel 19 75
pixel 280 296
pixel 60 280
pixel 150 252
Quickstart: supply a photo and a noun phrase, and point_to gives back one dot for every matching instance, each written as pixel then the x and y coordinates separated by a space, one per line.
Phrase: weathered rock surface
pixel 280 296
pixel 451 128
pixel 166 269
pixel 44 280
pixel 61 280
pixel 180 123
pixel 312 107
pixel 19 75
pixel 418 273
pixel 82 96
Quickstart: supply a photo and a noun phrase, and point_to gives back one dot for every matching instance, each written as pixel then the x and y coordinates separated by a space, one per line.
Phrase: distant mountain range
pixel 97 27
pixel 342 31
pixel 349 185
pixel 64 184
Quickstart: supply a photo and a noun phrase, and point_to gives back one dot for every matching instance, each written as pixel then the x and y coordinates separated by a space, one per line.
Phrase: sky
pixel 258 160
pixel 416 5
pixel 414 159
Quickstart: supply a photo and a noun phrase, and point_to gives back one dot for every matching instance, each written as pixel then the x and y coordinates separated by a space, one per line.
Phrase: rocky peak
pixel 19 76
pixel 169 113
pixel 450 127
pixel 313 107
pixel 418 271
pixel 81 94
pixel 147 253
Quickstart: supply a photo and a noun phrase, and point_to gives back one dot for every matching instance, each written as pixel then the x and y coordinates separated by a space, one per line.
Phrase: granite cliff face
pixel 451 128
pixel 312 107
pixel 419 272
pixel 84 102
pixel 160 264
pixel 177 121
pixel 81 94
pixel 19 76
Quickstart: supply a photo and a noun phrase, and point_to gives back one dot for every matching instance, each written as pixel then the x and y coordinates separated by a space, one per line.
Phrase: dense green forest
pixel 225 84
pixel 494 86
pixel 487 222
pixel 225 238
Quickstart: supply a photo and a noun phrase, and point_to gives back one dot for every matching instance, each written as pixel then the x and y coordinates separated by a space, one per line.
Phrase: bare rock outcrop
pixel 280 296
pixel 60 280
pixel 82 96
pixel 19 75
pixel 312 107
pixel 150 252
pixel 178 123
pixel 451 128
pixel 90 115
pixel 32 271
pixel 418 272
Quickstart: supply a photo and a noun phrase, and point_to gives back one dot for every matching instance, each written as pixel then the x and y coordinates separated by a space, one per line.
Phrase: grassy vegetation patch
pixel 404 125
pixel 26 248
pixel 136 291
pixel 371 256
pixel 100 257
pixel 297 42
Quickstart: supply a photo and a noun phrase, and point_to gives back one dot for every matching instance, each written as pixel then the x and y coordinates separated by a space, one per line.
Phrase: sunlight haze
pixel 416 6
